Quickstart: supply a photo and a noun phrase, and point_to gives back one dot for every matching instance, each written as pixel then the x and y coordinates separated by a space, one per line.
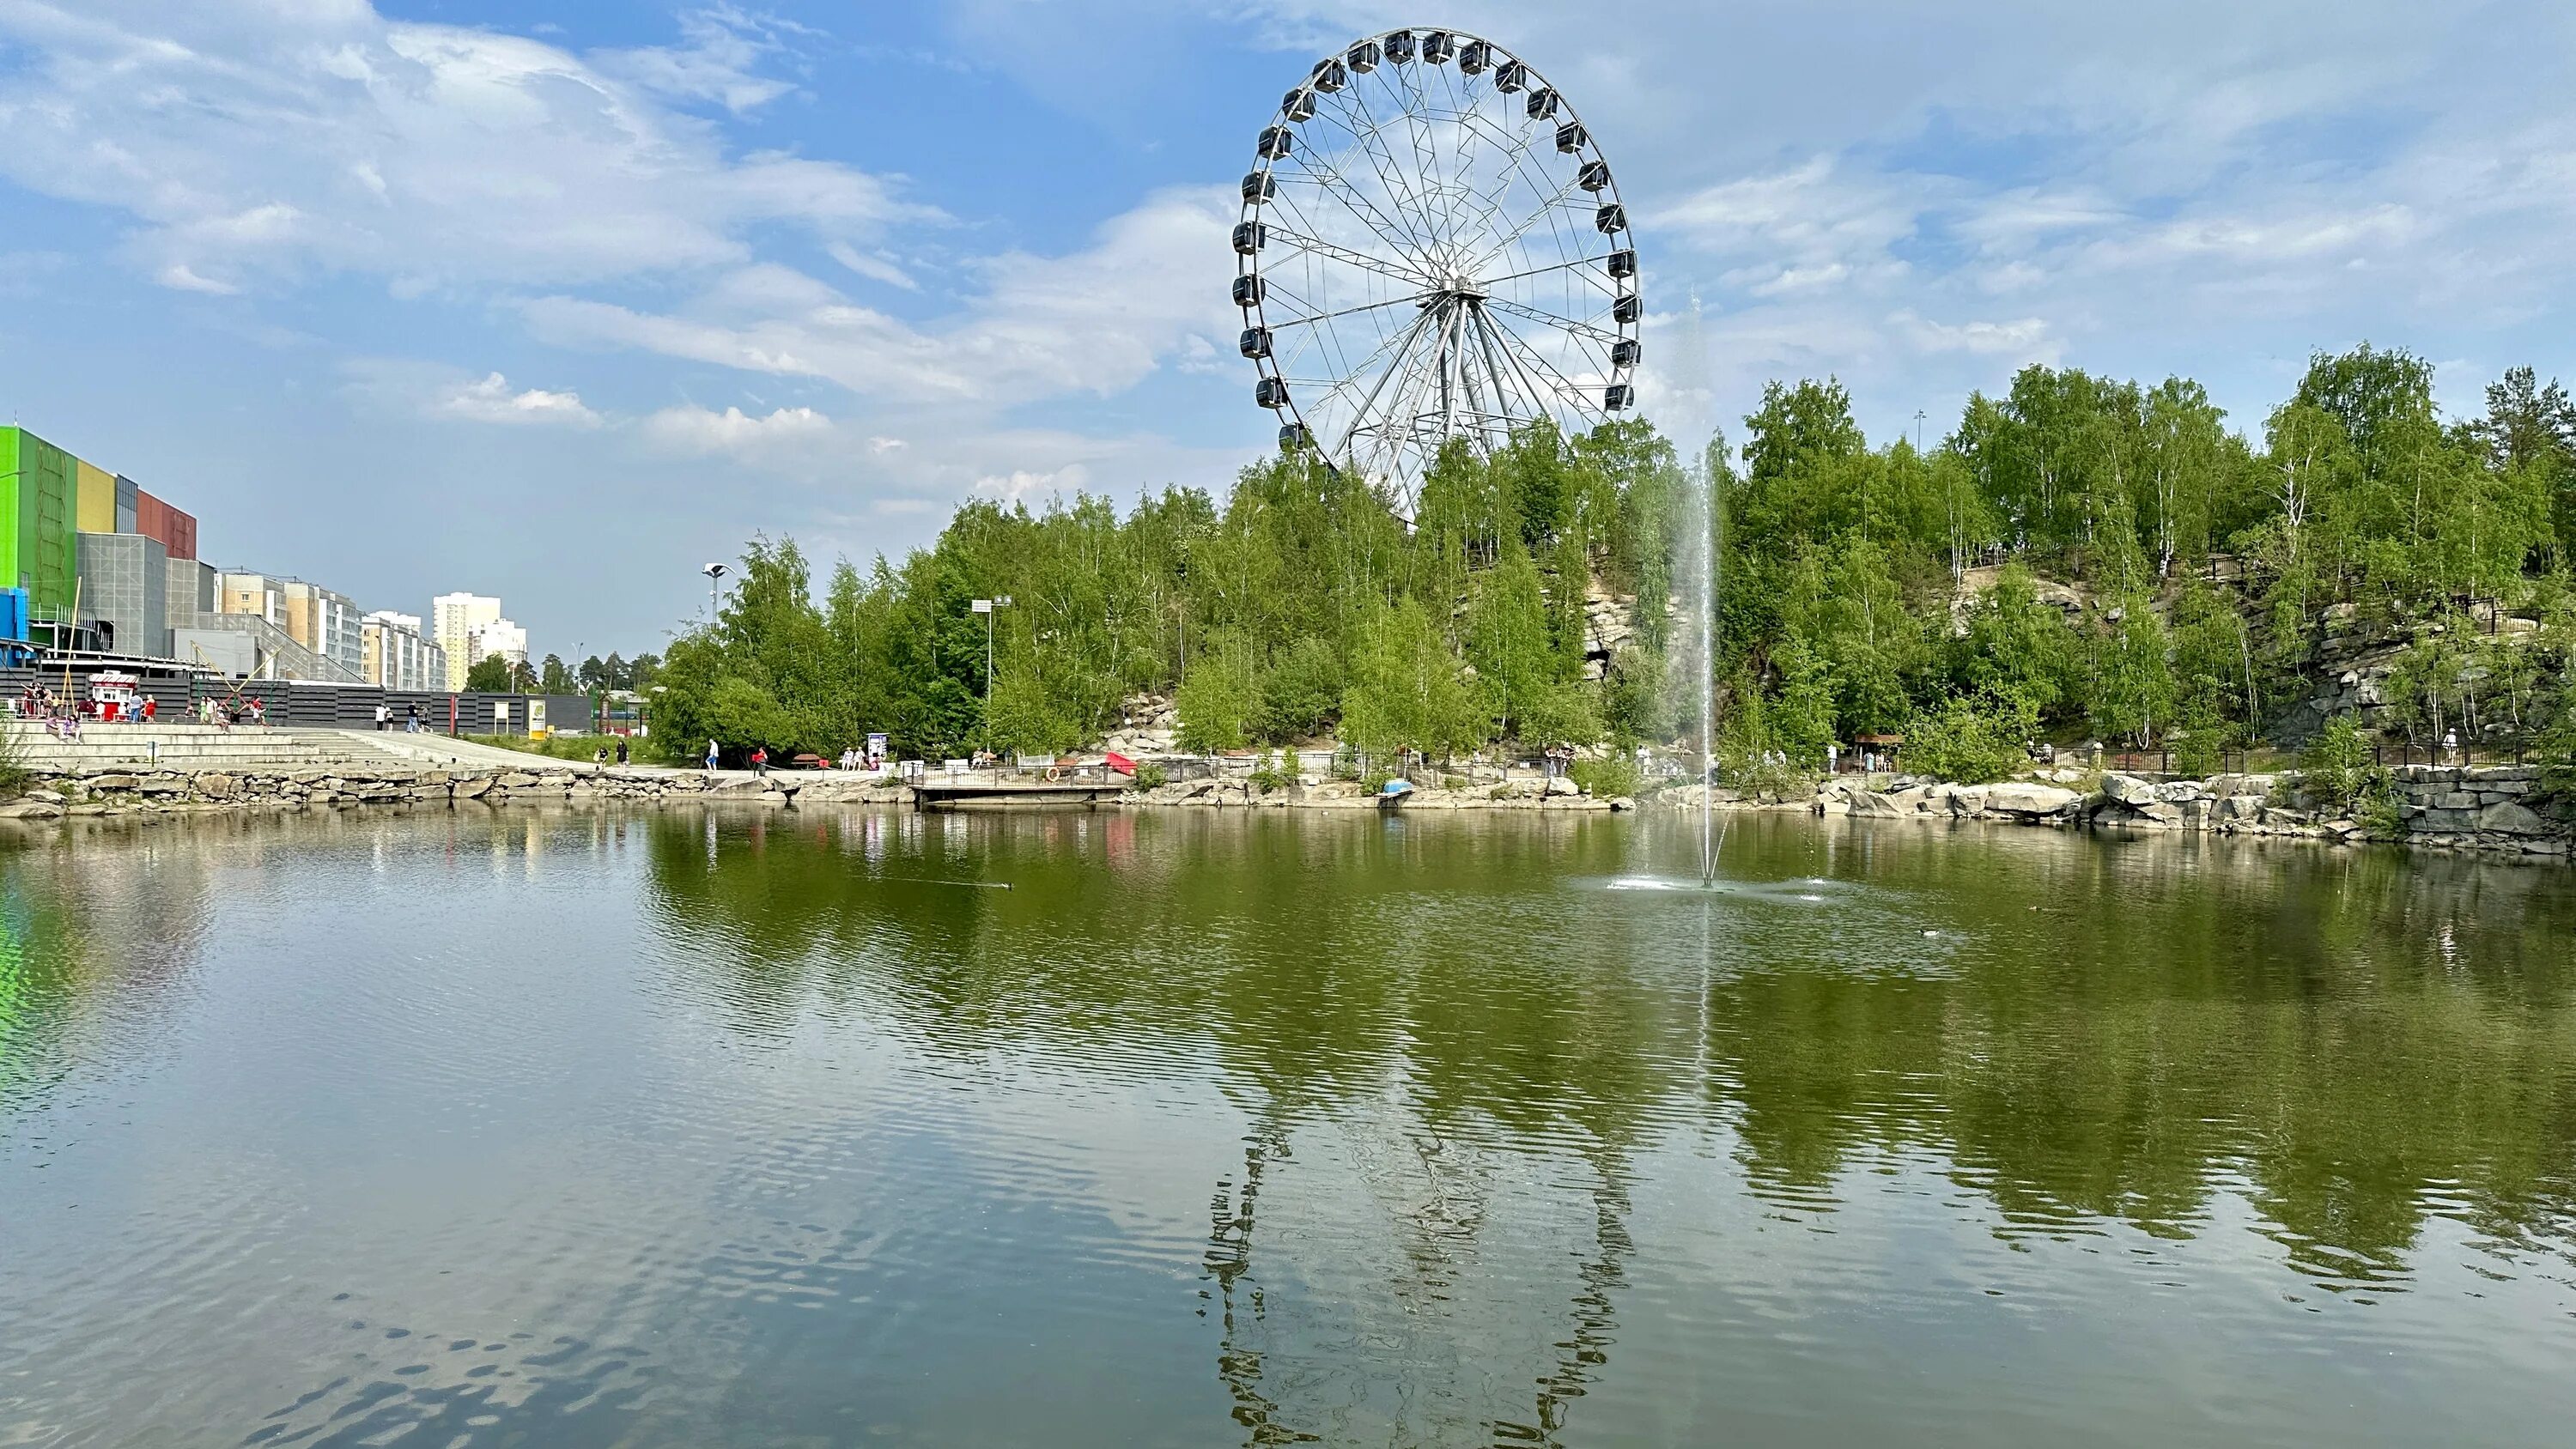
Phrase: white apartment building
pixel 453 622
pixel 397 657
pixel 503 638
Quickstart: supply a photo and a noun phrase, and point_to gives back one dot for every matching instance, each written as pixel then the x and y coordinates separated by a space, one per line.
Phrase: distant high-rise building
pixel 396 656
pixel 324 621
pixel 503 638
pixel 453 620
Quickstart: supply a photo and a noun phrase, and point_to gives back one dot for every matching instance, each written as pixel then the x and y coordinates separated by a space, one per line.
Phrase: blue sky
pixel 559 301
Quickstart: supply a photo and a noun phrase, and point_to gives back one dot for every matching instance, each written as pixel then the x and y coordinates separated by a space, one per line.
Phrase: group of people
pixel 759 760
pixel 225 713
pixel 411 717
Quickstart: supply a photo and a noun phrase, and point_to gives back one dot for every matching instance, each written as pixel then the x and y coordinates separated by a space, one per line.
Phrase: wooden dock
pixel 947 795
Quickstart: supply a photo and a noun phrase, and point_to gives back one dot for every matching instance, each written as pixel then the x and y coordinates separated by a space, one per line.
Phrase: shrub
pixel 14 774
pixel 1267 774
pixel 1149 777
pixel 2337 772
pixel 2555 752
pixel 1609 776
pixel 1302 691
pixel 1971 741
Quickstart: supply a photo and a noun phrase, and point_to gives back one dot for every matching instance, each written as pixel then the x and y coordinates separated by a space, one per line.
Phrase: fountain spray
pixel 1707 528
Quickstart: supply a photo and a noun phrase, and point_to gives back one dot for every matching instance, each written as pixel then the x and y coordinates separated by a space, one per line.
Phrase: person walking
pixel 621 749
pixel 151 707
pixel 411 718
pixel 382 715
pixel 760 761
pixel 711 757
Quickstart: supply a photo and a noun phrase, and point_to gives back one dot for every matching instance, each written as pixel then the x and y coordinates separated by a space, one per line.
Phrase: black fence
pixel 180 695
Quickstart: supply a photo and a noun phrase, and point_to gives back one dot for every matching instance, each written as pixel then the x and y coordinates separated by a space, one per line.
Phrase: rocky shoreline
pixel 2459 808
pixel 56 795
pixel 2478 808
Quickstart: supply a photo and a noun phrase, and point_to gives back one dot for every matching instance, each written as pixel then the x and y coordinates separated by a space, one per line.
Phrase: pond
pixel 836 1127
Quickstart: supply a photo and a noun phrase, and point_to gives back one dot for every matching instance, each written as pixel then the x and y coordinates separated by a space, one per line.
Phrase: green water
pixel 683 1129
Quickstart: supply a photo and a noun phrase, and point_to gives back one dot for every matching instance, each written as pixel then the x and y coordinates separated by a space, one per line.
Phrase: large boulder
pixel 2511 817
pixel 2030 801
pixel 2129 789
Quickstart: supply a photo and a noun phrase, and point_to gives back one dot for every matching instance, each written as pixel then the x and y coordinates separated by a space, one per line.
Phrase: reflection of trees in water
pixel 2361 1040
pixel 97 925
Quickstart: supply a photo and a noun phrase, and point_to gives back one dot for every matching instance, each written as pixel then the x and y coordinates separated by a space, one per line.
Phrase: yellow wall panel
pixel 97 507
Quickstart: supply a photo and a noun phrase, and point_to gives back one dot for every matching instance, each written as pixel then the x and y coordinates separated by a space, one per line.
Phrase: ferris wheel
pixel 1432 247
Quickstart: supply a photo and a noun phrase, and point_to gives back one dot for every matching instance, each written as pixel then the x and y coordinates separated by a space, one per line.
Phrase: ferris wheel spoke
pixel 1406 404
pixel 1400 340
pixel 1542 399
pixel 1569 264
pixel 1565 387
pixel 1327 174
pixel 1550 319
pixel 1545 209
pixel 1371 142
pixel 1358 206
pixel 1415 300
pixel 1426 149
pixel 1349 256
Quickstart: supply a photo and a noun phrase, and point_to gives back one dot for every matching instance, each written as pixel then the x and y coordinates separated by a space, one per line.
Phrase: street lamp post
pixel 987 607
pixel 715 573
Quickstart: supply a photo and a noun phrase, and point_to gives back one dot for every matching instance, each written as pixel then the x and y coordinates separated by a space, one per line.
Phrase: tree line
pixel 2080 556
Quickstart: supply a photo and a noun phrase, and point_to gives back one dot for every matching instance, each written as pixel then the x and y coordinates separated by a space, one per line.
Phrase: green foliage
pixel 1026 718
pixel 1509 643
pixel 2555 753
pixel 1149 776
pixel 1218 699
pixel 1269 774
pixel 490 674
pixel 14 774
pixel 1302 692
pixel 2339 774
pixel 2133 683
pixel 1971 741
pixel 1608 777
pixel 1404 691
pixel 2018 648
pixel 2162 581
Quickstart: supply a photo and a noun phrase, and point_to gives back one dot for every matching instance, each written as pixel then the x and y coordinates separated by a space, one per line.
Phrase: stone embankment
pixel 2459 808
pixel 125 790
pixel 54 794
pixel 1314 794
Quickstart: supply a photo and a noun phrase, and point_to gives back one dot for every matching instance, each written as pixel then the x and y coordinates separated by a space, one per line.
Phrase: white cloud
pixel 252 143
pixel 2023 339
pixel 719 64
pixel 874 268
pixel 697 432
pixel 489 400
pixel 1095 321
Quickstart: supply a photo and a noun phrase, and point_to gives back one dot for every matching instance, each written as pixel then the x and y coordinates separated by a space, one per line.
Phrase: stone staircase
pixel 207 747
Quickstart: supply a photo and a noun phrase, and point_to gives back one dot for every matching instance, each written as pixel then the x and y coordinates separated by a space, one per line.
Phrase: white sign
pixel 981 606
